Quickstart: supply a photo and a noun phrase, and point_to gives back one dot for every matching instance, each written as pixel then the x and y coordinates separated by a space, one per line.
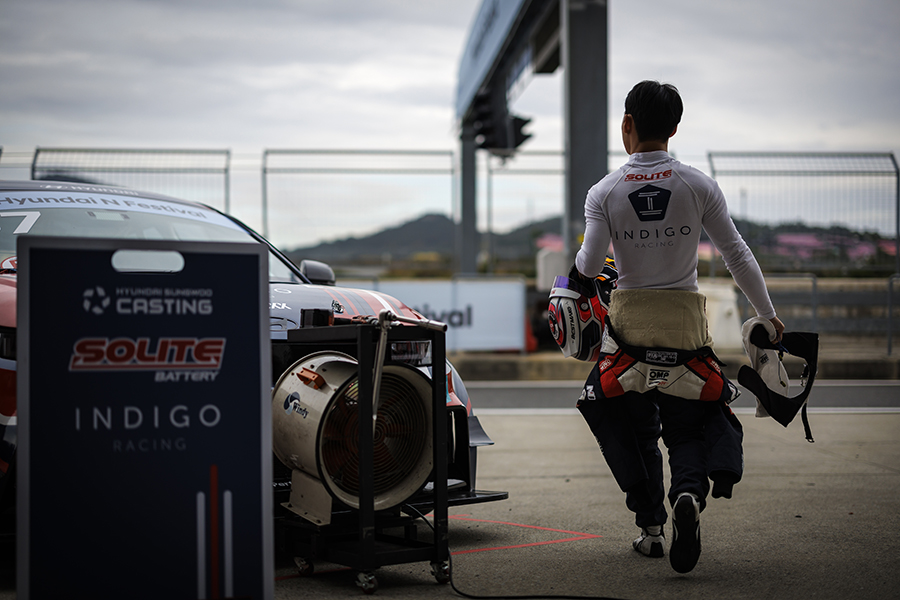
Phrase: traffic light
pixel 489 122
pixel 517 136
pixel 495 129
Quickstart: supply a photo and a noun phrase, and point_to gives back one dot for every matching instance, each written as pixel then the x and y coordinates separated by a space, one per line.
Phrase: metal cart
pixel 366 539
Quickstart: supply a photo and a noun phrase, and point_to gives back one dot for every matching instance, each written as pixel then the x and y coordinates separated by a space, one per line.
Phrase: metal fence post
pixel 815 302
pixel 228 182
pixel 490 215
pixel 712 254
pixel 896 214
pixel 34 159
pixel 890 333
pixel 264 199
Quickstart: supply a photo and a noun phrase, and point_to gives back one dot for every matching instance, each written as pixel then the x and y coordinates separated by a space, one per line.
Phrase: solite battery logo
pixel 141 354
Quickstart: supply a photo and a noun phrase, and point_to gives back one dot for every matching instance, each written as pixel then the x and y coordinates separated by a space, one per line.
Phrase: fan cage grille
pixel 400 436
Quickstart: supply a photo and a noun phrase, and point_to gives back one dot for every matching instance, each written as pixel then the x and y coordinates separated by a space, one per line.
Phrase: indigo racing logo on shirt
pixel 650 202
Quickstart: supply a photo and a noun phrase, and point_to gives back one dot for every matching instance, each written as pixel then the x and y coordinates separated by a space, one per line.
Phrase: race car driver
pixel 651 210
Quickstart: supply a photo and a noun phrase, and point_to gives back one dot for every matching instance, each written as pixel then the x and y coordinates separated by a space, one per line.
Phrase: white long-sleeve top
pixel 652 209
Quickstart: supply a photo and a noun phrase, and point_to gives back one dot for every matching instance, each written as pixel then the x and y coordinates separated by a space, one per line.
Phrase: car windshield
pixel 91 215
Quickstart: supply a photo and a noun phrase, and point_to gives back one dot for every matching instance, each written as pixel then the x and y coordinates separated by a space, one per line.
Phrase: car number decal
pixel 27 223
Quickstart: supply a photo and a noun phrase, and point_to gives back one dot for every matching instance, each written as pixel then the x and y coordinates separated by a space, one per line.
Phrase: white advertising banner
pixel 482 313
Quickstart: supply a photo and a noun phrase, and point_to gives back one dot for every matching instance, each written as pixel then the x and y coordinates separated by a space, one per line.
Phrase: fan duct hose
pixel 316 427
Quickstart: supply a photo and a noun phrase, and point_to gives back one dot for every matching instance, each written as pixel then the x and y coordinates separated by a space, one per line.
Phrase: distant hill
pixel 784 247
pixel 520 243
pixel 428 233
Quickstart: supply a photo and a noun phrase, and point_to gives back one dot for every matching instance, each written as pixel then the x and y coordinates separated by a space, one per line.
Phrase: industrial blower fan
pixel 316 434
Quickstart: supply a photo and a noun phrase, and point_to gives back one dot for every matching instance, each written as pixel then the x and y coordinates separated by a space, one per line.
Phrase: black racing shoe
pixel 685 550
pixel 652 542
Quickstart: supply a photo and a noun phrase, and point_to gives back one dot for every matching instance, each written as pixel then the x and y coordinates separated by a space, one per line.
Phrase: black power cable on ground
pixel 415 511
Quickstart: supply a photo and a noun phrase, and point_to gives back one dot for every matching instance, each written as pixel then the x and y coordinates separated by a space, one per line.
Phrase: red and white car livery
pixel 90 211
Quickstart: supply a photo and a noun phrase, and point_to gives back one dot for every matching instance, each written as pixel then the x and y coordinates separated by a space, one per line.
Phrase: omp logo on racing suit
pixel 650 202
pixel 125 354
pixel 658 377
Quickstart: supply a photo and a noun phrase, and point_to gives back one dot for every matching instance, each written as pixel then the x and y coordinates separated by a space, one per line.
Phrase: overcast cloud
pixel 233 74
pixel 762 75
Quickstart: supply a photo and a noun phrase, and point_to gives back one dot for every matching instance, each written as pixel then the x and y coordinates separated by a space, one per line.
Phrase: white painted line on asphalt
pixel 574 383
pixel 833 410
pixel 533 412
pixel 857 383
pixel 527 412
pixel 526 383
pixel 851 410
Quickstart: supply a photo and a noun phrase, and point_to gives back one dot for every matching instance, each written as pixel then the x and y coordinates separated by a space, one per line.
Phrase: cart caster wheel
pixel 304 567
pixel 367 582
pixel 441 572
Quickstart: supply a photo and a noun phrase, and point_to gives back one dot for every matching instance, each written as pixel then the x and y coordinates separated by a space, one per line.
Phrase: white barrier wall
pixel 489 313
pixel 482 313
pixel 550 264
pixel 722 314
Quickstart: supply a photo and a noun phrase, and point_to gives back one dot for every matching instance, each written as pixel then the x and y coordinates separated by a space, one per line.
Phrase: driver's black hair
pixel 656 109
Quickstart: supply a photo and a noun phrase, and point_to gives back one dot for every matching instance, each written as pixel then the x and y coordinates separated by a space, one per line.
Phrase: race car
pixel 300 297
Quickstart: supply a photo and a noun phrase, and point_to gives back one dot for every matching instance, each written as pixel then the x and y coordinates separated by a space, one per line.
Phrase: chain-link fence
pixel 522 191
pixel 199 175
pixel 525 191
pixel 807 216
pixel 826 213
pixel 315 196
pixel 527 187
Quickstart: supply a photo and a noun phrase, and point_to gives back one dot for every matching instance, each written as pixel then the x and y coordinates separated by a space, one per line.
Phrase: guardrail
pixel 792 298
pixel 859 312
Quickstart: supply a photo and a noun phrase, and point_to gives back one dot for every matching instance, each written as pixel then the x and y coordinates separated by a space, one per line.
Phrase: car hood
pixel 287 300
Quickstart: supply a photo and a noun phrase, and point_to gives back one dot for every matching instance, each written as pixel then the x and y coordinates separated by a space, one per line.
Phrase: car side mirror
pixel 317 272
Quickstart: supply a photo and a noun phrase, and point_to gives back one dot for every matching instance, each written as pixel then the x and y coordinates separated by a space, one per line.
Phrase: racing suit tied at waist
pixel 660 318
pixel 659 339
